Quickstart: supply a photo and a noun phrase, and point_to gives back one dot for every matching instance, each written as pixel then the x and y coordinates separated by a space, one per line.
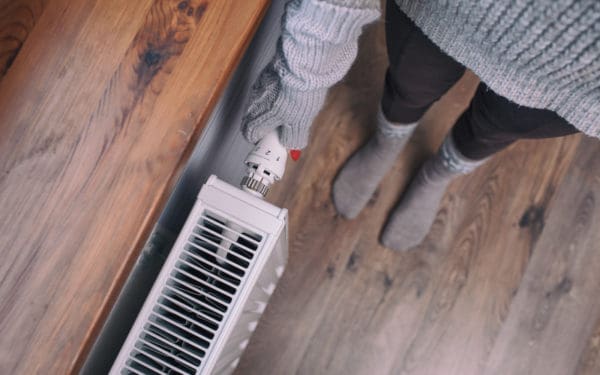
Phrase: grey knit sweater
pixel 537 53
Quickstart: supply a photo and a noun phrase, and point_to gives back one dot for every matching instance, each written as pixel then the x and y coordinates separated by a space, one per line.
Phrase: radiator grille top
pixel 193 302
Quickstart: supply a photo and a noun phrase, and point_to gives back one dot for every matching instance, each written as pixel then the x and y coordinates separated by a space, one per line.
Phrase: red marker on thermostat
pixel 295 154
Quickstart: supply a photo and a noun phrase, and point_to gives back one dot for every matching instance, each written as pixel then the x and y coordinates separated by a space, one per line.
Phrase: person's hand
pixel 317 46
pixel 273 106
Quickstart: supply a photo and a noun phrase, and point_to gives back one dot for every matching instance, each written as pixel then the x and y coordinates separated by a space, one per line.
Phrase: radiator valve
pixel 266 164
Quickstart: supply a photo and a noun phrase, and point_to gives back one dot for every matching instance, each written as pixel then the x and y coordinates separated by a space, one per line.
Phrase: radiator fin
pixel 252 310
pixel 194 301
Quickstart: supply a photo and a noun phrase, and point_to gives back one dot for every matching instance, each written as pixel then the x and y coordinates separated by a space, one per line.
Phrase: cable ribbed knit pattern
pixel 319 42
pixel 537 53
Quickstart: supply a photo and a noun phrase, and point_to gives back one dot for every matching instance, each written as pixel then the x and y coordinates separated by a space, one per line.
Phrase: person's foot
pixel 411 219
pixel 361 174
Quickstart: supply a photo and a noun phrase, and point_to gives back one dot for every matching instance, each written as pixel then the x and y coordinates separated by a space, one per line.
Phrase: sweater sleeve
pixel 318 44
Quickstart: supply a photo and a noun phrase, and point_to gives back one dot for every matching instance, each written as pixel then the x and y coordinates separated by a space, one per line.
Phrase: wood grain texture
pixel 97 116
pixel 589 362
pixel 556 307
pixel 346 305
pixel 17 19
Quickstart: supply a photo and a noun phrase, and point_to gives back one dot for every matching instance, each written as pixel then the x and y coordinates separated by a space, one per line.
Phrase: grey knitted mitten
pixel 411 219
pixel 318 44
pixel 361 174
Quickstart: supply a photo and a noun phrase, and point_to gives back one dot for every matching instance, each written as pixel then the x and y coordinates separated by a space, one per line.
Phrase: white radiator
pixel 213 288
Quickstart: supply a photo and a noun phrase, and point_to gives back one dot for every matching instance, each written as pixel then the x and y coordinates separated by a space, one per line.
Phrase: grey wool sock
pixel 411 219
pixel 361 174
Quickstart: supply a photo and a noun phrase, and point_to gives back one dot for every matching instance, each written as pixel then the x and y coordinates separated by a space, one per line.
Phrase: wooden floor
pixel 507 282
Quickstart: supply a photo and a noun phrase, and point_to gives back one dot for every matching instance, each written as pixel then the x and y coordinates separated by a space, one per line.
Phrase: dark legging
pixel 420 73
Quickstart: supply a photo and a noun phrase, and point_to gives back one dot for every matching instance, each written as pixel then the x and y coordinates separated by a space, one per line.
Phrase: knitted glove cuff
pixel 357 4
pixel 327 21
pixel 319 42
pixel 317 46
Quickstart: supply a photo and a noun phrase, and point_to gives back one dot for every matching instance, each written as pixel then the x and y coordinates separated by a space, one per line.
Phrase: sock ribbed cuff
pixel 454 160
pixel 393 129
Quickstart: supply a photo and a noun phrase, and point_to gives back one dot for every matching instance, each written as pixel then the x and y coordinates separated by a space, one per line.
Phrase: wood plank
pixel 557 305
pixel 17 19
pixel 347 305
pixel 589 362
pixel 92 141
